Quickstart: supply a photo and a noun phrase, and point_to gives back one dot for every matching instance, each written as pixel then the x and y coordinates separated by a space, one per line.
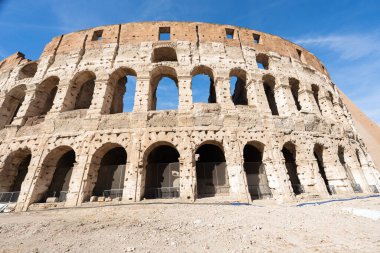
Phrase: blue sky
pixel 344 34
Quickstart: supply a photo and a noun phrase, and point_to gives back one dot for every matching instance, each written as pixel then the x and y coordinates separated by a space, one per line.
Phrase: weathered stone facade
pixel 69 104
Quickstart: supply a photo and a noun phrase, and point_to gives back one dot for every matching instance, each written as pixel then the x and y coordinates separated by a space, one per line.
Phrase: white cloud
pixel 348 47
pixel 353 62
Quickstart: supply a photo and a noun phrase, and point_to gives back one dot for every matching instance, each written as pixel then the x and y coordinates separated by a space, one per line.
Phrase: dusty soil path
pixel 193 228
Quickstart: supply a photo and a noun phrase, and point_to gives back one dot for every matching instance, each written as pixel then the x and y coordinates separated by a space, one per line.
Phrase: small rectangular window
pixel 164 33
pixel 229 33
pixel 97 36
pixel 299 52
pixel 256 38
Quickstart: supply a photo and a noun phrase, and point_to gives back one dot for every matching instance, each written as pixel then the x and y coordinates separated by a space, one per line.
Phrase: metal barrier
pixel 331 189
pixel 260 191
pixel 9 197
pixel 61 195
pixel 298 188
pixel 357 188
pixel 162 193
pixel 113 193
pixel 374 188
pixel 212 179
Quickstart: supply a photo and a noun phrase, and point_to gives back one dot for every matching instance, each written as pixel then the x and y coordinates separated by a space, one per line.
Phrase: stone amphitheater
pixel 281 131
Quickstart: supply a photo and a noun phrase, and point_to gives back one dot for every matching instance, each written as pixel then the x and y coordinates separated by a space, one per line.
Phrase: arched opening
pixel 28 71
pixel 80 92
pixel 11 105
pixel 111 173
pixel 315 90
pixel 257 179
pixel 238 82
pixel 164 54
pixel 202 85
pixel 54 177
pixel 122 86
pixel 294 88
pixel 262 61
pixel 163 89
pixel 44 97
pixel 318 154
pixel 269 84
pixel 289 153
pixel 13 174
pixel 212 177
pixel 162 173
pixel 342 159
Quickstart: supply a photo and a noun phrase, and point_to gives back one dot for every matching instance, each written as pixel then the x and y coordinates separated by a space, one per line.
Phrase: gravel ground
pixel 264 227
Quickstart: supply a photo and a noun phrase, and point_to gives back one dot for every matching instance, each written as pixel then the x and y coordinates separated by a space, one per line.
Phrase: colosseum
pixel 280 130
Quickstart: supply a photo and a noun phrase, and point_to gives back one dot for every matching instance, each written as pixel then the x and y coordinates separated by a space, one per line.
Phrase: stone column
pixel 185 93
pixel 59 100
pixel 326 106
pixel 133 171
pixel 284 98
pixel 101 98
pixel 252 96
pixel 76 181
pixel 223 95
pixel 337 177
pixel 307 101
pixel 262 101
pixel 142 97
pixel 21 116
pixel 277 174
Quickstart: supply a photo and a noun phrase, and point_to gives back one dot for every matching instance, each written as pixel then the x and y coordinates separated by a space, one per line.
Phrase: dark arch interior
pixel 269 93
pixel 162 173
pixel 255 172
pixel 212 178
pixel 288 152
pixel 110 180
pixel 164 54
pixel 22 170
pixel 239 94
pixel 315 90
pixel 84 97
pixel 318 154
pixel 61 179
pixel 123 94
pixel 294 88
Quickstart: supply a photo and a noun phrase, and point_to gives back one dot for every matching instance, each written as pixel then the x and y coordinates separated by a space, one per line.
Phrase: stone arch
pixel 269 83
pixel 239 93
pixel 44 97
pixel 319 154
pixel 13 173
pixel 315 90
pixel 203 70
pixel 80 91
pixel 211 170
pixel 254 168
pixel 295 89
pixel 106 172
pixel 28 71
pixel 161 175
pixel 289 153
pixel 156 75
pixel 116 89
pixel 11 104
pixel 54 175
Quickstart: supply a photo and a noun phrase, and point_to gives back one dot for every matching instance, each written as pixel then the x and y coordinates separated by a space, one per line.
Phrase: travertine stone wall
pixel 80 73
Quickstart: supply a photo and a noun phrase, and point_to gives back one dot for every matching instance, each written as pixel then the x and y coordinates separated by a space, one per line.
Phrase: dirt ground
pixel 264 227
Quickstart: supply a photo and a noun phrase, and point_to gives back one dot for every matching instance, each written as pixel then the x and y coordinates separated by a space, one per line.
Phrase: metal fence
pixel 212 179
pixel 357 188
pixel 162 181
pixel 257 180
pixel 9 197
pixel 60 195
pixel 374 188
pixel 113 193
